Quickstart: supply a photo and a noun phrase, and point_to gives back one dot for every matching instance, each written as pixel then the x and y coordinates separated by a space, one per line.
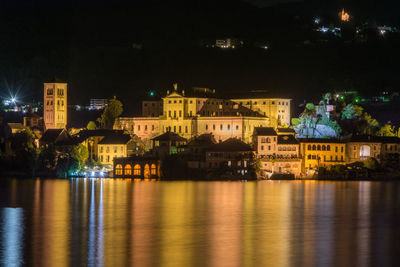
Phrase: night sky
pixel 91 45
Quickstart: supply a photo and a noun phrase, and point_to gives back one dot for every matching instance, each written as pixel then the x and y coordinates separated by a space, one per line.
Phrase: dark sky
pixel 90 47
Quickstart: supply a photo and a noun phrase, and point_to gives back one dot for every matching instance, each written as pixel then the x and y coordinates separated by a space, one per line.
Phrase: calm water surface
pixel 107 222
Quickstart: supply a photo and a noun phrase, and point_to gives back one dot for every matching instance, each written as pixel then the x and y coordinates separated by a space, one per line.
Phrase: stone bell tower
pixel 55 105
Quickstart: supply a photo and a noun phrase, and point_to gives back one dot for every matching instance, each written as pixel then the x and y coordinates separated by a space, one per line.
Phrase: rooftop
pixel 169 136
pixel 115 139
pixel 287 140
pixel 231 145
pixel 264 131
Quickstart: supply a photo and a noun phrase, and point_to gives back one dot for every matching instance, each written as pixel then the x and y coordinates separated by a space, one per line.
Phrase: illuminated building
pixel 344 16
pixel 279 153
pixel 228 43
pixel 137 167
pixel 55 105
pixel 113 146
pixel 319 152
pixel 362 147
pixel 98 104
pixel 231 157
pixel 192 116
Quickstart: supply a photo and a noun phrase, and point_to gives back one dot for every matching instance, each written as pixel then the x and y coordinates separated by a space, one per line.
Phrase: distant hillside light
pixel 344 16
pixel 152 93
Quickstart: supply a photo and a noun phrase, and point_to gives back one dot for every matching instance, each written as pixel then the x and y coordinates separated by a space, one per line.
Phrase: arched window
pixel 314 147
pixel 309 147
pixel 365 151
pixel 323 147
pixel 118 169
pixel 328 148
pixel 146 173
pixel 128 169
pixel 153 169
pixel 136 170
pixel 309 156
pixel 319 147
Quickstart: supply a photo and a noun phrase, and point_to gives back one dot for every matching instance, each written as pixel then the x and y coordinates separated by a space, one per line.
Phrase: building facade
pixel 193 116
pixel 278 153
pixel 318 152
pixel 55 105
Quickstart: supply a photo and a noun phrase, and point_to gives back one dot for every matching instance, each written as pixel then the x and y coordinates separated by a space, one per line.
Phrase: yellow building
pixel 55 105
pixel 318 152
pixel 193 116
pixel 114 146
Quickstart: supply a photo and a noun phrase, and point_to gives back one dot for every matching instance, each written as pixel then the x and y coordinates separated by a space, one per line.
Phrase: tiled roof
pixel 115 139
pixel 287 140
pixel 264 131
pixel 374 139
pixel 169 136
pixel 320 140
pixel 285 130
pixel 231 145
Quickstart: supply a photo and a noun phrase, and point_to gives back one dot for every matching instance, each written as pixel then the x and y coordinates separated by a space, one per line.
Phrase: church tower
pixel 55 105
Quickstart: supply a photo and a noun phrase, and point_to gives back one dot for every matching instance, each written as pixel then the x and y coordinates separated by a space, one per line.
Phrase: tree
pixel 110 113
pixel 80 153
pixel 371 163
pixel 387 130
pixel 91 125
pixel 351 112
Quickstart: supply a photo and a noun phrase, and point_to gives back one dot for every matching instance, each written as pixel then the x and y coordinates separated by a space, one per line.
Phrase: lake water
pixel 115 222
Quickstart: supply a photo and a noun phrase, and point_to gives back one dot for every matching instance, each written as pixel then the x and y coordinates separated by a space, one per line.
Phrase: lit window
pixel 118 169
pixel 153 169
pixel 136 170
pixel 128 169
pixel 115 149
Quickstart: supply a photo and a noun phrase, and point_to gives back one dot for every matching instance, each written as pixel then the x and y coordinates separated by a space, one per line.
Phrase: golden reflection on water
pixel 106 222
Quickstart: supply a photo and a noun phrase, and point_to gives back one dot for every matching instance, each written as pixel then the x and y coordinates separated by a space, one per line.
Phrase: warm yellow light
pixel 344 16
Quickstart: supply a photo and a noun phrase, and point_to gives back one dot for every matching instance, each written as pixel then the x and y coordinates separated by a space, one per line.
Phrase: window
pixel 174 129
pixel 115 149
pixel 169 113
pixel 341 149
pixel 190 101
pixel 153 169
pixel 262 147
pixel 328 148
pixel 136 170
pixel 213 126
pixel 273 102
pixel 237 127
pixel 180 113
pixel 186 129
pixel 309 147
pixel 107 149
pixel 319 147
pixel 220 127
pixel 323 147
pixel 365 151
pixel 145 127
pixel 309 157
pixel 229 126
pixel 62 102
pixel 336 150
pixel 138 127
pixel 174 113
pixel 180 129
pixel 180 101
pixel 108 159
pixel 118 169
pixel 269 147
pixel 152 127
pixel 101 149
pixel 314 147
pixel 128 169
pixel 206 127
